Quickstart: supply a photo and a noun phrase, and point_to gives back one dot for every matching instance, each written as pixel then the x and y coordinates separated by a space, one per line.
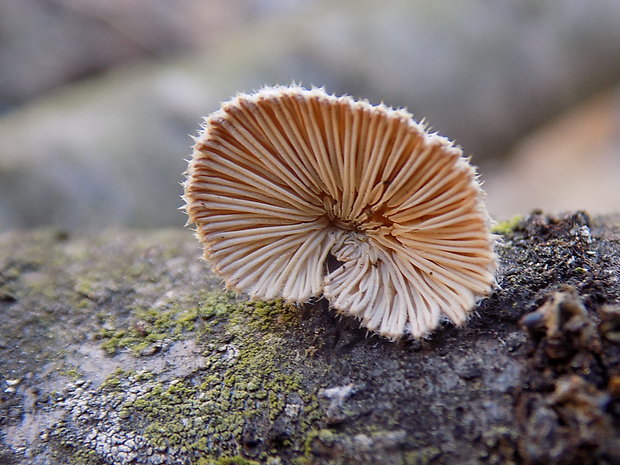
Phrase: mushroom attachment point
pixel 296 193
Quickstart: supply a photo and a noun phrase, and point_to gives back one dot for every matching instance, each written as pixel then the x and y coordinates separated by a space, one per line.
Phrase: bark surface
pixel 121 347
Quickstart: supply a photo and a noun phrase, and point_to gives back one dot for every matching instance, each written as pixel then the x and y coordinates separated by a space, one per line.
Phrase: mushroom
pixel 296 193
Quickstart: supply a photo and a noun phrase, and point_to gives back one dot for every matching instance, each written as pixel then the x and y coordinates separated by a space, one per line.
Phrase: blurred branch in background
pixel 108 148
pixel 47 43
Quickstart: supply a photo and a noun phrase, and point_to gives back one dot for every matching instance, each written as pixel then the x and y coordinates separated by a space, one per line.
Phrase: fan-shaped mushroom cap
pixel 282 179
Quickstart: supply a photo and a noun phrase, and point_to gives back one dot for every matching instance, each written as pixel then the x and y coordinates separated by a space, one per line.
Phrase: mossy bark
pixel 121 347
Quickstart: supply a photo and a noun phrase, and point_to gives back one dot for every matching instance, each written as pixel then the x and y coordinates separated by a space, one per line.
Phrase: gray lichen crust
pixel 120 348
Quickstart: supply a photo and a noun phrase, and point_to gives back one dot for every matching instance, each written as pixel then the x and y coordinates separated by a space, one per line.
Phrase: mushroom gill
pixel 284 180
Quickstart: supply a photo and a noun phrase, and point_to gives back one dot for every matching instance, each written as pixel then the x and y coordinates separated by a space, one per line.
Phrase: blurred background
pixel 98 97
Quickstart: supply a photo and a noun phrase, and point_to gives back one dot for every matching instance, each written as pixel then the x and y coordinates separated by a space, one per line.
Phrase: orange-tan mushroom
pixel 285 180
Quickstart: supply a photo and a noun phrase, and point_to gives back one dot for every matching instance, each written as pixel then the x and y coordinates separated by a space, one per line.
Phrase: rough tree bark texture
pixel 121 348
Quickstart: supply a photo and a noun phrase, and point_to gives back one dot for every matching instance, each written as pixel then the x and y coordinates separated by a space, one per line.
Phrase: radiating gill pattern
pixel 284 180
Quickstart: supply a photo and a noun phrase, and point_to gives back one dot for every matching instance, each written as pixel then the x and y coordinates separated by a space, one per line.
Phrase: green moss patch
pixel 148 330
pixel 507 226
pixel 250 401
pixel 247 380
